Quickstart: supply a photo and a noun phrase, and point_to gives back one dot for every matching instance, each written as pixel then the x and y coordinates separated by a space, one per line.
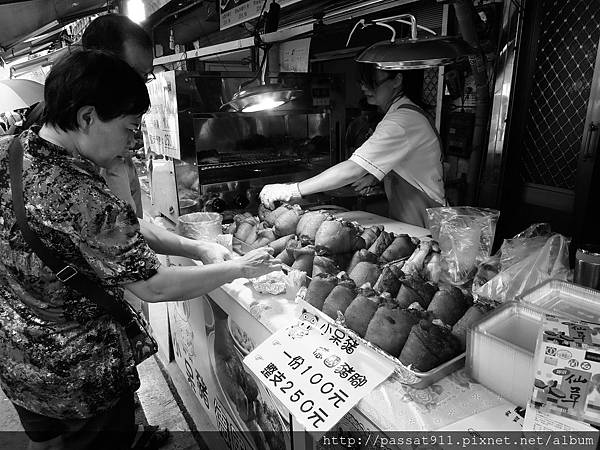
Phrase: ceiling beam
pixel 226 47
pixel 46 28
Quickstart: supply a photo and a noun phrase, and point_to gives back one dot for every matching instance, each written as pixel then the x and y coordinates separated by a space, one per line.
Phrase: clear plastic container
pixel 565 299
pixel 204 226
pixel 500 350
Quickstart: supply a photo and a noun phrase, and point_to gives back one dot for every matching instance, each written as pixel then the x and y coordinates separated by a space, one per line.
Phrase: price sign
pixel 317 370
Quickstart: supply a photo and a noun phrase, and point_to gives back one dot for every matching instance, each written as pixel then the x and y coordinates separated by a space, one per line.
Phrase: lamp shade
pixel 263 97
pixel 415 53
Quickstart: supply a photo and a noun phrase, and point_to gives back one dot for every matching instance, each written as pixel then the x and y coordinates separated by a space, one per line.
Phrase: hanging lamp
pixel 261 98
pixel 265 96
pixel 410 53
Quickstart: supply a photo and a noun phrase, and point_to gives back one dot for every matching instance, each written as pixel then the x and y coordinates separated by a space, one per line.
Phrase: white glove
pixel 283 192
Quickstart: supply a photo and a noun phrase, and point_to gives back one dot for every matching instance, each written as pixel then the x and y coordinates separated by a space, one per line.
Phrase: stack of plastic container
pixel 500 350
pixel 500 347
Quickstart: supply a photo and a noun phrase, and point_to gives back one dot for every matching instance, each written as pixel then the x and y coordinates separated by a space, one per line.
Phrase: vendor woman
pixel 404 151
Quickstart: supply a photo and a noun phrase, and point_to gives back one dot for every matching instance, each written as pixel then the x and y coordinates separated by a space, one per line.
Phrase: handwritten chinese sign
pixel 317 370
pixel 294 55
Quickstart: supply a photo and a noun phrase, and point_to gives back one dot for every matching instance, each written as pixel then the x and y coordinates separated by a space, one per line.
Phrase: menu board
pixel 161 120
pixel 234 12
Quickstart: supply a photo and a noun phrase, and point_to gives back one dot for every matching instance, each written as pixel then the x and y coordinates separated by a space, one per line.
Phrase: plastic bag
pixel 465 235
pixel 523 244
pixel 487 269
pixel 527 260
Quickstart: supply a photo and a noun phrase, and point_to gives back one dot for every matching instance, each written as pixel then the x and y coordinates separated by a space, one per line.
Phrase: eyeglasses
pixel 150 77
pixel 375 83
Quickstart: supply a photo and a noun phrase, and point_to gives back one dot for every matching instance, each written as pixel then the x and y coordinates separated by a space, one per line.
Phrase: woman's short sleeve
pixel 111 241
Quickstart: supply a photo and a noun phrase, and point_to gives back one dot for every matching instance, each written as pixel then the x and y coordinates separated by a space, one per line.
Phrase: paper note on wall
pixel 293 55
pixel 234 12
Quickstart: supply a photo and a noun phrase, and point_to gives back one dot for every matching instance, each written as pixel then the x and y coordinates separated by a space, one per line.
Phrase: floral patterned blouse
pixel 61 355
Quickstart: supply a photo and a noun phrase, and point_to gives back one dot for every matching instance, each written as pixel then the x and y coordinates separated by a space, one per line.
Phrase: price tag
pixel 317 370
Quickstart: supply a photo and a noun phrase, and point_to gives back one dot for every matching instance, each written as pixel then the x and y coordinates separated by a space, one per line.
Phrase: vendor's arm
pixel 364 184
pixel 336 176
pixel 168 243
pixel 183 283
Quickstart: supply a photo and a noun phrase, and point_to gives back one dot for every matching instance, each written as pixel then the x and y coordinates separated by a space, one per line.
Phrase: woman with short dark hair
pixel 65 363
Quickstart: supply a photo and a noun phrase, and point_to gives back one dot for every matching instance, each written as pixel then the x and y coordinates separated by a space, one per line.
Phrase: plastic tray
pixel 500 349
pixel 565 299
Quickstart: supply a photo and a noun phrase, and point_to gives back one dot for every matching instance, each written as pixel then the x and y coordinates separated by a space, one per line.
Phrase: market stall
pixel 233 321
pixel 429 367
pixel 434 332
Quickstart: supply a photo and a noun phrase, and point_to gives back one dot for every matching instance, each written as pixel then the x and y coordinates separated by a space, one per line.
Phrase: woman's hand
pixel 210 252
pixel 364 184
pixel 258 262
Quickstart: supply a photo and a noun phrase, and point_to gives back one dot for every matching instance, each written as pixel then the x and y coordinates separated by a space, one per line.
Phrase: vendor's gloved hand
pixel 282 192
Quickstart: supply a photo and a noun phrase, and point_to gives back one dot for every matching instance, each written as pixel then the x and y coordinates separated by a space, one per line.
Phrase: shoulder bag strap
pixel 66 273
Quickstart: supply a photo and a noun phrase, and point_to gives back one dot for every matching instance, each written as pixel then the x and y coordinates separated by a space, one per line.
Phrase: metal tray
pixel 565 299
pixel 403 374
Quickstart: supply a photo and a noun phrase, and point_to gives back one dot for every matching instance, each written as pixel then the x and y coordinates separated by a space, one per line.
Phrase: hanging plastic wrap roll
pixel 465 235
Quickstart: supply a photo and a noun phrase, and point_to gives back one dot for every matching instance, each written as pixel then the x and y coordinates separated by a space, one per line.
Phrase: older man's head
pixel 123 37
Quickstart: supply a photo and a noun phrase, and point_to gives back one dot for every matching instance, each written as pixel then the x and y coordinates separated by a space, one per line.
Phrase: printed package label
pixel 567 370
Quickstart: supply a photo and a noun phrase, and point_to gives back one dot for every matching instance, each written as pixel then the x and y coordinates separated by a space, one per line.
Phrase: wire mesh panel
pixel 565 60
pixel 430 87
